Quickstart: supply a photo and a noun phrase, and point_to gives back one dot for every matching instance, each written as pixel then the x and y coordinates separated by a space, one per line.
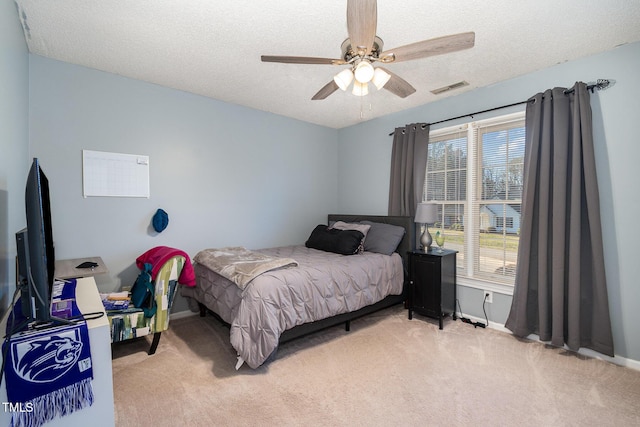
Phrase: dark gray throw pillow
pixel 345 242
pixel 383 238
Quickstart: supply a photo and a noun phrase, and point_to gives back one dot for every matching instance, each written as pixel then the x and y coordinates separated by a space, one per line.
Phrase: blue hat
pixel 160 220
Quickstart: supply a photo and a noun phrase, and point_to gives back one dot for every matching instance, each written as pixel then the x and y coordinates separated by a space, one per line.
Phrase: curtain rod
pixel 600 84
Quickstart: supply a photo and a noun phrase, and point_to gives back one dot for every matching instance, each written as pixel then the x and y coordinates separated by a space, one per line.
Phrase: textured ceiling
pixel 212 48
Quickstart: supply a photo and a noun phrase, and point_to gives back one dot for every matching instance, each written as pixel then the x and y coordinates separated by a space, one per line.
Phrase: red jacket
pixel 159 255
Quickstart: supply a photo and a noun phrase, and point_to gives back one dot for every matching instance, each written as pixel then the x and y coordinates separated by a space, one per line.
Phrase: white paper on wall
pixel 114 174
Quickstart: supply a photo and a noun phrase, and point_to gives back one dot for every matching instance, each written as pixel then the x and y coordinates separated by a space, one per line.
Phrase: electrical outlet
pixel 487 296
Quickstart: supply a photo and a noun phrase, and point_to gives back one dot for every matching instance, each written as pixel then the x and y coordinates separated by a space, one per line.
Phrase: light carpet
pixel 387 371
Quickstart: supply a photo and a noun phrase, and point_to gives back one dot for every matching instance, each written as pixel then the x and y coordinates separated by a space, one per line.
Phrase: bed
pixel 319 290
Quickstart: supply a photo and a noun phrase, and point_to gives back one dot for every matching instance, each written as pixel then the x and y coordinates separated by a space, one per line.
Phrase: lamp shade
pixel 426 213
pixel 343 79
pixel 360 89
pixel 380 78
pixel 364 72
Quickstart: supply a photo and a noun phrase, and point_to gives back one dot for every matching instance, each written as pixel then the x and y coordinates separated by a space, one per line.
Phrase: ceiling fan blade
pixel 431 47
pixel 397 85
pixel 301 60
pixel 327 90
pixel 362 20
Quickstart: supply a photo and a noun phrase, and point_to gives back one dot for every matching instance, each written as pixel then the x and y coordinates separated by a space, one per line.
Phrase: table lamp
pixel 426 213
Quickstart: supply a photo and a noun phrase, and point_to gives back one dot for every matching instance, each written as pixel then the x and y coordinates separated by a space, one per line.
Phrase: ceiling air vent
pixel 450 87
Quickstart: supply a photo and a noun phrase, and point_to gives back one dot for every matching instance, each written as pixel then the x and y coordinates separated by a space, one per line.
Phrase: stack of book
pixel 115 301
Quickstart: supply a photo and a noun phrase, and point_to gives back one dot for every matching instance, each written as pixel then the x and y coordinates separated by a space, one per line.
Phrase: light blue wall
pixel 226 175
pixel 230 175
pixel 364 154
pixel 14 139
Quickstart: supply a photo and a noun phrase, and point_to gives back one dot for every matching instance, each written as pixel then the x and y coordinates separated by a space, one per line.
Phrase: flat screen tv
pixel 36 259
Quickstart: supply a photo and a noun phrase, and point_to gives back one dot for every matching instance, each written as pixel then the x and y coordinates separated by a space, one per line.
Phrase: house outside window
pixel 475 175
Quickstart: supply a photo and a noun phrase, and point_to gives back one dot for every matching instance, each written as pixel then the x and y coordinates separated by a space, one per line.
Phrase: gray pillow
pixel 383 238
pixel 341 225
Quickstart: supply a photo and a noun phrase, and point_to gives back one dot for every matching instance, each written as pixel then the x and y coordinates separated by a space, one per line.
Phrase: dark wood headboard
pixel 408 242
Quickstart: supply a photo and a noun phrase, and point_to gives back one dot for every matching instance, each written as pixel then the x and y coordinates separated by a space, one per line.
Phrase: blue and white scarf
pixel 48 373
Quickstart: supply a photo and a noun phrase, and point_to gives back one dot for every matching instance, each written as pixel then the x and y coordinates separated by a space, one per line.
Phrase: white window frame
pixel 471 129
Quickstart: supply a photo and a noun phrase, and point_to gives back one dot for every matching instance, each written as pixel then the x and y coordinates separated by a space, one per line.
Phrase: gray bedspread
pixel 323 285
pixel 239 264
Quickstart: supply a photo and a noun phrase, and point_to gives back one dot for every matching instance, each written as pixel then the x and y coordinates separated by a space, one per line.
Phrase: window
pixel 500 222
pixel 475 175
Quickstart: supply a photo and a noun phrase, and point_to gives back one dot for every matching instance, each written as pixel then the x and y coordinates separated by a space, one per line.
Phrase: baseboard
pixel 618 360
pixel 183 314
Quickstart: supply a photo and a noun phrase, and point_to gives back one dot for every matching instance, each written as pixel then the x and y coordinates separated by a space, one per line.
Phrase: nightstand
pixel 432 283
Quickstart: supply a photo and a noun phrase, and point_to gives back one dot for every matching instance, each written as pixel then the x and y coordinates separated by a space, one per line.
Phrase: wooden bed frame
pixel 407 244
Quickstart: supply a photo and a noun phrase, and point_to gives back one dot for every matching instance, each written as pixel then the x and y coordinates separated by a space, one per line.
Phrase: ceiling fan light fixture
pixel 360 89
pixel 362 48
pixel 343 79
pixel 364 72
pixel 380 78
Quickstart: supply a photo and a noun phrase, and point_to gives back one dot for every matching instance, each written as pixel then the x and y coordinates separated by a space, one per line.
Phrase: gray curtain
pixel 561 291
pixel 408 168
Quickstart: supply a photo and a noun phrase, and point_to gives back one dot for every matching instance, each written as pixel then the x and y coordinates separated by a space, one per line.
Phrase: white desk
pixel 66 268
pixel 101 413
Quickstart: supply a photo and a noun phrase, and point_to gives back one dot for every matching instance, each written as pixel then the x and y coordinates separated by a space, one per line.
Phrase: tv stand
pixel 41 326
pixel 67 268
pixel 53 323
pixel 102 410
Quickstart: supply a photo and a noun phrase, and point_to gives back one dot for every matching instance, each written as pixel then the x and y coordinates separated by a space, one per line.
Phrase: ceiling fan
pixel 364 47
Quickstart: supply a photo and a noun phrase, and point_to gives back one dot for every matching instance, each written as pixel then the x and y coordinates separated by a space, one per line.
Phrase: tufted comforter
pixel 239 264
pixel 323 285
